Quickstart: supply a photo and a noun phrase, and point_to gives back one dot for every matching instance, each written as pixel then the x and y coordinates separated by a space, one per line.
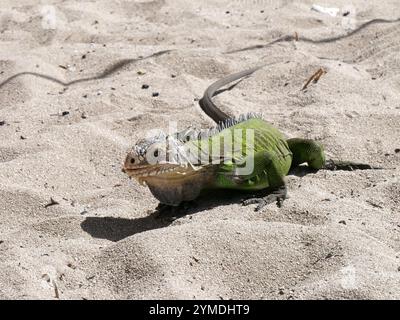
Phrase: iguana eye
pixel 156 153
pixel 132 160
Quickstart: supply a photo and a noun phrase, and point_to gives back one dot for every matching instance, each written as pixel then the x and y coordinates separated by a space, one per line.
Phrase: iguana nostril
pixel 132 161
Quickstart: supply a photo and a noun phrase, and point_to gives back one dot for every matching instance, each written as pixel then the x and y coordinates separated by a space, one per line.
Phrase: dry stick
pixel 51 203
pixel 316 76
pixel 316 79
pixel 56 293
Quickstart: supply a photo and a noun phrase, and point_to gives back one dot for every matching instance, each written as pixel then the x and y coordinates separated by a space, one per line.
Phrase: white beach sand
pixel 337 236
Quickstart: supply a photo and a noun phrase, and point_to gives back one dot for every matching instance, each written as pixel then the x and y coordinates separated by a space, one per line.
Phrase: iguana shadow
pixel 301 171
pixel 116 229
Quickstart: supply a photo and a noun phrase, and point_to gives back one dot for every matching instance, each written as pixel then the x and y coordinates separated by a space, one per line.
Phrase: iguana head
pixel 159 156
pixel 166 166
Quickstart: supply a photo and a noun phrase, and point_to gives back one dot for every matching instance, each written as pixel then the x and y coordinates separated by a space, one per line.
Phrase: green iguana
pixel 244 153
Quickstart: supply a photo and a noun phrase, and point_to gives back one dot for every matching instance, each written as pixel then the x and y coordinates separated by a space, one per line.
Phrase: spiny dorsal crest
pixel 191 134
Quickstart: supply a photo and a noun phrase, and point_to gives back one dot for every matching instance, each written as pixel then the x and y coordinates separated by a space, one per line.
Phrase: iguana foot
pixel 163 208
pixel 165 211
pixel 347 166
pixel 278 195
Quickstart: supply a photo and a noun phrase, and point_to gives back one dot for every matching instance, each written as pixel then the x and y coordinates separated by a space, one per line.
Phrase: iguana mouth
pixel 157 171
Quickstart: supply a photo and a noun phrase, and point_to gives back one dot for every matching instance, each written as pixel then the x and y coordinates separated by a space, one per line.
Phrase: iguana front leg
pixel 277 195
pixel 267 179
pixel 172 213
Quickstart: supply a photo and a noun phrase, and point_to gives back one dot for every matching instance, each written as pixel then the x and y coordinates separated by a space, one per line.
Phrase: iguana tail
pixel 206 103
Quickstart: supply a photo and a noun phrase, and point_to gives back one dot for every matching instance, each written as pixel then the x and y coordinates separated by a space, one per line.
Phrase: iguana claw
pixel 278 195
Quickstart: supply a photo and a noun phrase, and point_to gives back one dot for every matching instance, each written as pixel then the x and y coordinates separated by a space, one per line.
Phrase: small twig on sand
pixel 315 77
pixel 56 293
pixel 374 204
pixel 51 203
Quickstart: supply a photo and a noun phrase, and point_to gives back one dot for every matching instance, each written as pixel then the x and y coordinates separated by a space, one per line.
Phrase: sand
pixel 336 237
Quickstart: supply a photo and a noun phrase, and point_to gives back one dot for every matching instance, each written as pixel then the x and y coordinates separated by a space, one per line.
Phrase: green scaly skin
pixel 180 178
